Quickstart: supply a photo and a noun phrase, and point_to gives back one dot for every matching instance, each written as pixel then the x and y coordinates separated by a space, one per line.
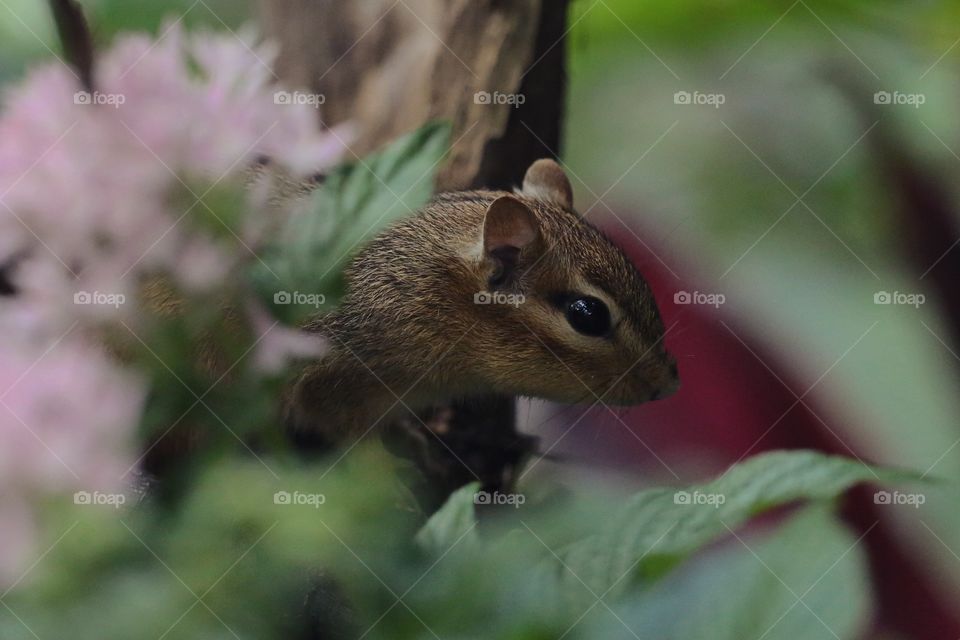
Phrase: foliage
pixel 714 193
pixel 248 555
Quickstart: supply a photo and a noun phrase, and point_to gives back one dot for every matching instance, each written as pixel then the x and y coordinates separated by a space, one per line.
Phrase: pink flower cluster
pixel 65 421
pixel 97 189
pixel 86 180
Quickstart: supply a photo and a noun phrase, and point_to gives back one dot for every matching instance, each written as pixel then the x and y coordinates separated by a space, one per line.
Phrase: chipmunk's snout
pixel 657 380
pixel 669 382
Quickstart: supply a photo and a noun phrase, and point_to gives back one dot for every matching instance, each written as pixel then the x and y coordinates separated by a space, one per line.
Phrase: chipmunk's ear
pixel 509 227
pixel 546 181
pixel 509 224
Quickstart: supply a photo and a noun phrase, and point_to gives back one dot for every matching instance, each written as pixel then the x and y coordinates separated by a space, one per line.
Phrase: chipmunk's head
pixel 573 319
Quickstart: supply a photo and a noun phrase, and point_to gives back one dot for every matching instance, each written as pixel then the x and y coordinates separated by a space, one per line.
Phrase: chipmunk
pixel 485 292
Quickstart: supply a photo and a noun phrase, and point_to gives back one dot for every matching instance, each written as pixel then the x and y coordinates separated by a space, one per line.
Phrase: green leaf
pixel 354 204
pixel 455 520
pixel 807 581
pixel 658 528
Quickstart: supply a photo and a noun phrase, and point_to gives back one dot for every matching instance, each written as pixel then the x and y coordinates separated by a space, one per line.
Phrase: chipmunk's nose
pixel 670 383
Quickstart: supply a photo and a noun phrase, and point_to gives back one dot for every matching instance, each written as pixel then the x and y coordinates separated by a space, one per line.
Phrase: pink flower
pixel 89 178
pixel 67 419
pixel 98 190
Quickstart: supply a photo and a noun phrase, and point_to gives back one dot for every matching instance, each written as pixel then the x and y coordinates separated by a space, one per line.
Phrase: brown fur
pixel 409 326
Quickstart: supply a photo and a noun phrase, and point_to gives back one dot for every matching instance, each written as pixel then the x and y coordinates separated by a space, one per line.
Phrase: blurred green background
pixel 715 187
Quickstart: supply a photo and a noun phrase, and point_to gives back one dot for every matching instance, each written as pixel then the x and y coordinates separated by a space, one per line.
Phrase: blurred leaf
pixel 255 535
pixel 808 581
pixel 455 520
pixel 547 590
pixel 658 528
pixel 354 204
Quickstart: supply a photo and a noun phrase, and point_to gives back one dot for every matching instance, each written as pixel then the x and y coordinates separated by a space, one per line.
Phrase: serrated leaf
pixel 807 581
pixel 355 203
pixel 456 519
pixel 657 529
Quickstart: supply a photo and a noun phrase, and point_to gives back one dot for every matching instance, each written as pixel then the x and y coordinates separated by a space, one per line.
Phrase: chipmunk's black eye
pixel 589 316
